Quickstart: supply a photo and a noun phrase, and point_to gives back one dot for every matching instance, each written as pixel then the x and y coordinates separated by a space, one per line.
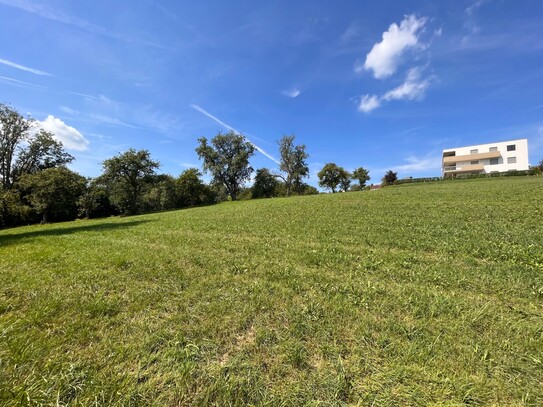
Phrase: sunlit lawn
pixel 417 294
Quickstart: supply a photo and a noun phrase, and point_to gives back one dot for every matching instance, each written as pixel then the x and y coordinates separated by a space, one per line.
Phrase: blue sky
pixel 384 85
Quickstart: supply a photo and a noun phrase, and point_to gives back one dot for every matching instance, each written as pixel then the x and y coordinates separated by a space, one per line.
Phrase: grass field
pixel 411 295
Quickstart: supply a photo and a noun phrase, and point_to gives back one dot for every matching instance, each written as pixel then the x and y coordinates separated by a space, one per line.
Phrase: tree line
pixel 37 185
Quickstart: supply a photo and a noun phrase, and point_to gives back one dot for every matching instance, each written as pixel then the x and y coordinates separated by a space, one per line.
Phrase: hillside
pixel 416 294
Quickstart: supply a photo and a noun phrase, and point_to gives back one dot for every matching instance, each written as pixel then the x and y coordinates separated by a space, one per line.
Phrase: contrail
pixel 23 68
pixel 198 108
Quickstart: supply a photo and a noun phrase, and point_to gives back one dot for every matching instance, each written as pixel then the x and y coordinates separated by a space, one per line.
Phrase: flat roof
pixel 485 144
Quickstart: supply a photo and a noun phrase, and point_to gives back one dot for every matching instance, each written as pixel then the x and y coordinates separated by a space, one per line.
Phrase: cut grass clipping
pixel 417 294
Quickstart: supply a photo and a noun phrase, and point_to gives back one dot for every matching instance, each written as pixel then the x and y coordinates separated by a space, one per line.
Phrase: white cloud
pixel 24 68
pixel 369 103
pixel 384 57
pixel 70 137
pixel 479 3
pixel 350 33
pixel 419 164
pixel 413 87
pixel 292 93
pixel 69 110
pixel 358 66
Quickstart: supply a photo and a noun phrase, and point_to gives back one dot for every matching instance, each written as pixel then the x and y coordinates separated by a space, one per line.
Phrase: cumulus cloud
pixel 385 56
pixel 292 93
pixel 413 88
pixel 369 103
pixel 70 137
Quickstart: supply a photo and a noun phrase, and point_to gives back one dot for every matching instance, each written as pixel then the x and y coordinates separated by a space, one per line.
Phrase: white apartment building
pixel 486 158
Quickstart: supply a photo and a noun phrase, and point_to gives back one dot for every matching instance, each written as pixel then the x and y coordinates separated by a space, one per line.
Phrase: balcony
pixel 465 168
pixel 451 160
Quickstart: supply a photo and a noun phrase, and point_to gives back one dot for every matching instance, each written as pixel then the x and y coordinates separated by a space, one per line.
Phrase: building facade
pixel 486 158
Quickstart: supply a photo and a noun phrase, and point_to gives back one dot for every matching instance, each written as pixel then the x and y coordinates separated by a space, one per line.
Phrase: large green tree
pixel 227 159
pixel 127 175
pixel 53 192
pixel 14 131
pixel 330 176
pixel 265 185
pixel 293 164
pixel 361 175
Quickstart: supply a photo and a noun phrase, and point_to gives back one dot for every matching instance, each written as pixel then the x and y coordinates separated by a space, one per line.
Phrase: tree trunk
pixel 44 218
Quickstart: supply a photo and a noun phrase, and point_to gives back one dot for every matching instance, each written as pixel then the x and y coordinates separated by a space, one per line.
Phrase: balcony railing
pixel 465 168
pixel 470 157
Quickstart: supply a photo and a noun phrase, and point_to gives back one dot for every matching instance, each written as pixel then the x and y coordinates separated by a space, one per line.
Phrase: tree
pixel 362 176
pixel 344 179
pixel 265 185
pixel 227 159
pixel 293 164
pixel 42 152
pixel 127 175
pixel 14 130
pixel 88 200
pixel 540 165
pixel 330 176
pixel 54 192
pixel 190 188
pixel 390 177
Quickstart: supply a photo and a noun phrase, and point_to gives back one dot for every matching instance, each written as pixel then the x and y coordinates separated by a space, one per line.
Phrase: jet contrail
pixel 198 108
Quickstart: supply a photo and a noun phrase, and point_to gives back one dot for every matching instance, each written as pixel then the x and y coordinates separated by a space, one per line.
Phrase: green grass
pixel 411 295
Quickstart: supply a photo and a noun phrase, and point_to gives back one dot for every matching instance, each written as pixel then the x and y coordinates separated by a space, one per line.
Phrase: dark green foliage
pixel 94 201
pixel 227 159
pixel 160 193
pixel 361 175
pixel 127 176
pixel 345 179
pixel 191 189
pixel 265 185
pixel 331 176
pixel 390 178
pixel 245 194
pixel 309 190
pixel 53 192
pixel 13 211
pixel 293 164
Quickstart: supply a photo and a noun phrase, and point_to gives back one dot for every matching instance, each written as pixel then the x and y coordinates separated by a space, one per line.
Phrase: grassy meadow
pixel 422 294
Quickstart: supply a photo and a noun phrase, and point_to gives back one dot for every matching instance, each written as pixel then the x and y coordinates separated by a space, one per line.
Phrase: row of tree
pixel 36 183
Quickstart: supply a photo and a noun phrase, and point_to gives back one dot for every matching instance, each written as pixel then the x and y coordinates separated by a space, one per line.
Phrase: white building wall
pixel 520 154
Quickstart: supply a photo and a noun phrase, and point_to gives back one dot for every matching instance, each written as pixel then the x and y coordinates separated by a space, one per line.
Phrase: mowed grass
pixel 425 294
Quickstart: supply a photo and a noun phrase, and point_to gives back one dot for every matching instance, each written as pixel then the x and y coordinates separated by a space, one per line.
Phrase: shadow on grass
pixel 59 231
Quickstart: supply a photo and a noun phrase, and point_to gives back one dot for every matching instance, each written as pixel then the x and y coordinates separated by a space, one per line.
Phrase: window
pixel 511 147
pixel 511 160
pixel 473 151
pixel 474 162
pixel 493 161
pixel 492 149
